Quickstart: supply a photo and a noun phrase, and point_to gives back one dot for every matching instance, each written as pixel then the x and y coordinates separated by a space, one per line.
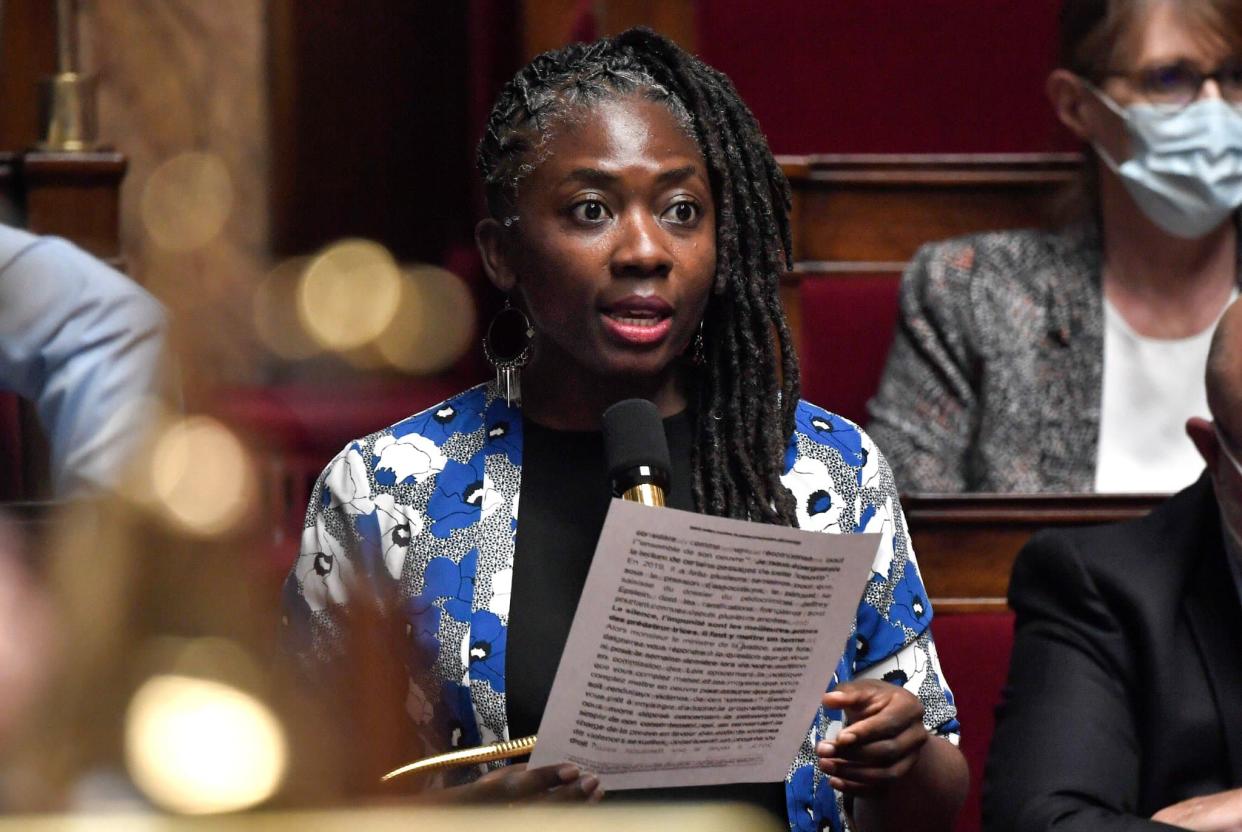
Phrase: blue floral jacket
pixel 430 506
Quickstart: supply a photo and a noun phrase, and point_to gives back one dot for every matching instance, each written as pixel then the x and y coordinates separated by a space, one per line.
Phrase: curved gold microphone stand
pixel 466 757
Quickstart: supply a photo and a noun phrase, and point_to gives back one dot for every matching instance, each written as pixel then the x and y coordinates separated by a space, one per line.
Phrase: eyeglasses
pixel 1178 84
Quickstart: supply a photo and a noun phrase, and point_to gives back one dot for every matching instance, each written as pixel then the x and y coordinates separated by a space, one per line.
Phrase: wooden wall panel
pixel 28 52
pixel 674 19
pixel 76 196
pixel 547 24
pixel 550 24
pixel 866 212
pixel 890 76
pixel 966 543
pixel 369 129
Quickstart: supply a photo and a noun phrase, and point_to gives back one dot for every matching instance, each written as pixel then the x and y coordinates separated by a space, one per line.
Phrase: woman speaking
pixel 638 228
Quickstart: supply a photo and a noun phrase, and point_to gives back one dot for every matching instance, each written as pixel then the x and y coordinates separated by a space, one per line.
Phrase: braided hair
pixel 747 389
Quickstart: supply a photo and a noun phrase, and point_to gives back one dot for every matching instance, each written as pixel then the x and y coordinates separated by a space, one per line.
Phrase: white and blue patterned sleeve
pixel 325 572
pixel 843 485
pixel 901 648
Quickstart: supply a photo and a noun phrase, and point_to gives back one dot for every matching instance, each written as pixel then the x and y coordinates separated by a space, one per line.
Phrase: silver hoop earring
pixel 507 347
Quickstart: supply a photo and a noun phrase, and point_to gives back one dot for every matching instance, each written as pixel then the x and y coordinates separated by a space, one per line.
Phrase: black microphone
pixel 637 452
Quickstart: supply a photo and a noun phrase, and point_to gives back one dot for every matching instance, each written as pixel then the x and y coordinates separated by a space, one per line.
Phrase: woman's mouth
pixel 638 321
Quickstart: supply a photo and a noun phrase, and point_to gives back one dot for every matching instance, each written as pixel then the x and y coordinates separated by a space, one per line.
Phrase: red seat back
pixel 974 654
pixel 12 458
pixel 847 326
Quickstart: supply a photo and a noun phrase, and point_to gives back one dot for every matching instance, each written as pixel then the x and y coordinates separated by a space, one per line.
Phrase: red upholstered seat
pixel 974 654
pixel 847 326
pixel 12 458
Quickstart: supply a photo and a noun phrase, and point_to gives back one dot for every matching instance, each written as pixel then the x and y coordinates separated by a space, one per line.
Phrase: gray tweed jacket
pixel 994 379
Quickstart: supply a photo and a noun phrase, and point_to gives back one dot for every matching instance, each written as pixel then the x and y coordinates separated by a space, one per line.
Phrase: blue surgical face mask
pixel 1185 172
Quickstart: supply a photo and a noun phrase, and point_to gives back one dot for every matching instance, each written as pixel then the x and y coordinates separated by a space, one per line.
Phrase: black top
pixel 564 499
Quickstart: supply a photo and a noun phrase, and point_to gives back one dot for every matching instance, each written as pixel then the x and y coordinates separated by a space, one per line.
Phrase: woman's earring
pixel 507 347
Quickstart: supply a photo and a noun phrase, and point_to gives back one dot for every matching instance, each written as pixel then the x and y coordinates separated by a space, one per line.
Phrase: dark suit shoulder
pixel 1150 555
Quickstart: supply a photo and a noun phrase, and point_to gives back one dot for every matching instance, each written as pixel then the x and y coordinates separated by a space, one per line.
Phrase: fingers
pixel 865 774
pixel 859 697
pixel 889 722
pixel 585 788
pixel 879 752
pixel 501 773
pixel 871 767
pixel 864 779
pixel 516 783
pixel 881 743
pixel 845 697
pixel 876 710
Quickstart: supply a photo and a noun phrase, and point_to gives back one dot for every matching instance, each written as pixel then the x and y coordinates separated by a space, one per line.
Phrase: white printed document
pixel 701 648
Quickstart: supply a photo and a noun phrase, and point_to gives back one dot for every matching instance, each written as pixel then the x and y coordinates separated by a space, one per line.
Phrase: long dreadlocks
pixel 747 389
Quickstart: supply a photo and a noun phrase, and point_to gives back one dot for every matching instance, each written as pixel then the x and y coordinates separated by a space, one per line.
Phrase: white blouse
pixel 1151 387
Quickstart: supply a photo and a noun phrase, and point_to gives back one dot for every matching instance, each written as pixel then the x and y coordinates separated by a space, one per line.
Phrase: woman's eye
pixel 683 213
pixel 1171 78
pixel 590 211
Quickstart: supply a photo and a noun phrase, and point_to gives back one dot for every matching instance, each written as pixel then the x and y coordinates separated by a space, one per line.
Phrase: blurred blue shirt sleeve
pixel 86 345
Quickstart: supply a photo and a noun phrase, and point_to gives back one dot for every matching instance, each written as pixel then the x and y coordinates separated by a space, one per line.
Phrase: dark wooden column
pixel 369 125
pixel 28 51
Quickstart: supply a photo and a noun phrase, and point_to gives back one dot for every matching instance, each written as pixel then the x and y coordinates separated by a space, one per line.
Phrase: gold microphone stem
pixel 645 493
pixel 66 37
pixel 67 100
pixel 466 757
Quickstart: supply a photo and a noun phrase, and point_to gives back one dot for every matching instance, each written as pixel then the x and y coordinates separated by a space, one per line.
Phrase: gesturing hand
pixel 519 784
pixel 1220 812
pixel 882 737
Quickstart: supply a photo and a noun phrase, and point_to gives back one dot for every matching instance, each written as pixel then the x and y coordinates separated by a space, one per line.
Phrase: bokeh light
pixel 201 477
pixel 205 657
pixel 434 325
pixel 186 201
pixel 198 746
pixel 275 312
pixel 349 294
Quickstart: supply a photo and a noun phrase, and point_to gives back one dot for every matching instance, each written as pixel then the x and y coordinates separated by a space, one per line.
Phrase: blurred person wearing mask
pixel 86 345
pixel 1123 708
pixel 1030 361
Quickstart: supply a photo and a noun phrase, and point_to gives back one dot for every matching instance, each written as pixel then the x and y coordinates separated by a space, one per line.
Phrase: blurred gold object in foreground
pixel 198 746
pixel 467 757
pixel 634 817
